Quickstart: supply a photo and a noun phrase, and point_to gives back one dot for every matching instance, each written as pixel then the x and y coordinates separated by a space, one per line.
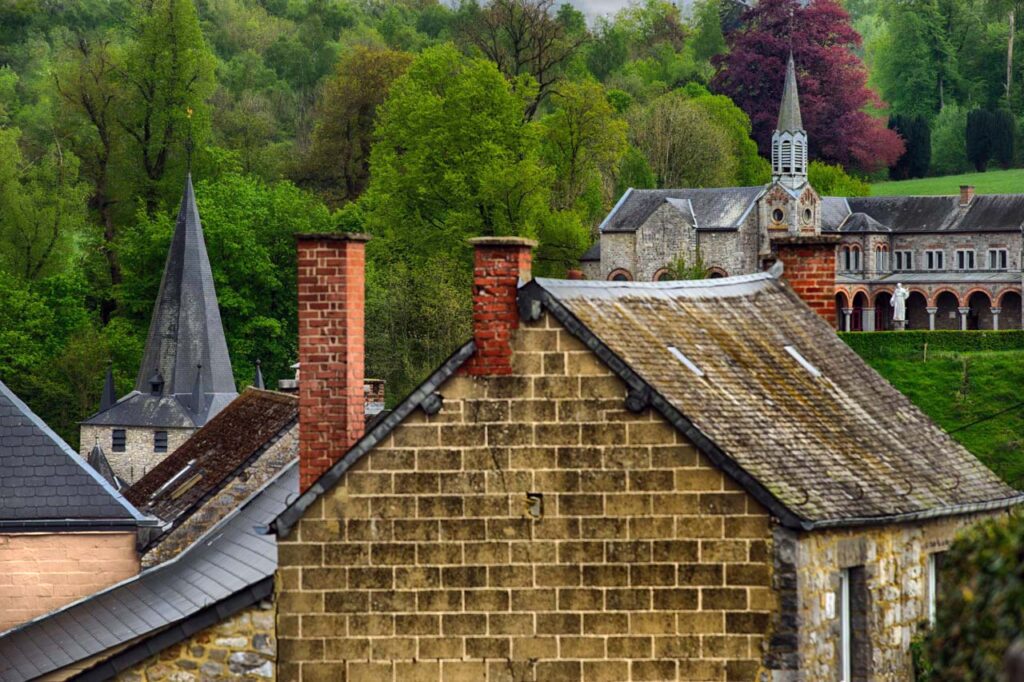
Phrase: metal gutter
pixel 38 525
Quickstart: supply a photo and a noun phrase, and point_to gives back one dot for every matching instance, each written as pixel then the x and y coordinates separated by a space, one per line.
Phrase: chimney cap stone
pixel 334 236
pixel 503 241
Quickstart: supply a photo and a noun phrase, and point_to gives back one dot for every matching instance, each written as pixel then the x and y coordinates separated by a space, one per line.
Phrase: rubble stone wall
pixel 138 457
pixel 240 647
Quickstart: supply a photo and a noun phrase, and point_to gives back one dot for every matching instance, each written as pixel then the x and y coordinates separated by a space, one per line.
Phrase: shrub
pixel 979 606
pixel 829 180
pixel 1003 135
pixel 918 156
pixel 912 343
pixel 980 125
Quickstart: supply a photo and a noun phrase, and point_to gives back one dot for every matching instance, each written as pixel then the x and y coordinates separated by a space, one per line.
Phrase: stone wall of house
pixel 895 560
pixel 138 456
pixel 533 529
pixel 40 572
pixel 240 647
pixel 618 252
pixel 664 237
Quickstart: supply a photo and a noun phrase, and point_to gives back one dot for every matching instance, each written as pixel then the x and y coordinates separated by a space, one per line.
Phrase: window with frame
pixel 997 259
pixel 935 260
pixel 904 260
pixel 854 643
pixel 159 441
pixel 118 440
pixel 855 258
pixel 934 569
pixel 965 259
pixel 881 259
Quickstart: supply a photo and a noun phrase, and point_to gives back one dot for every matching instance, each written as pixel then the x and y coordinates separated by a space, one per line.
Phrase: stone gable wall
pixel 40 572
pixel 138 457
pixel 432 560
pixel 241 647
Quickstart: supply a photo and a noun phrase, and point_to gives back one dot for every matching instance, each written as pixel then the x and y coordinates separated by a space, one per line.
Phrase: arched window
pixel 662 275
pixel 798 166
pixel 855 258
pixel 881 259
pixel 844 258
pixel 620 275
pixel 787 156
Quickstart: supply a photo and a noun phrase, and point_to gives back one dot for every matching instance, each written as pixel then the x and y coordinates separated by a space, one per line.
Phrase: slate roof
pixel 862 222
pixel 789 112
pixel 97 459
pixel 215 461
pixel 593 253
pixel 777 401
pixel 46 484
pixel 231 560
pixel 711 209
pixel 186 343
pixel 913 214
pixel 815 427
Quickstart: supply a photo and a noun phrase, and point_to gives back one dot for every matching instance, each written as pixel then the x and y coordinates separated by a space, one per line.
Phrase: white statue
pixel 899 303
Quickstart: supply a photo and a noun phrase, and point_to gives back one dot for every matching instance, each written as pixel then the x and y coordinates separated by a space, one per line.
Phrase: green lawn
pixel 958 388
pixel 993 182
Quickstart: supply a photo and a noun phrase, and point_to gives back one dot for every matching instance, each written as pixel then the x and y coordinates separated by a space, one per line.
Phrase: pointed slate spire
pixel 258 380
pixel 789 114
pixel 198 402
pixel 109 396
pixel 186 330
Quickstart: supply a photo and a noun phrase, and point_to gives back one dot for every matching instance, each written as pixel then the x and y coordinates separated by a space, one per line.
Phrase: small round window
pixel 807 215
pixel 778 215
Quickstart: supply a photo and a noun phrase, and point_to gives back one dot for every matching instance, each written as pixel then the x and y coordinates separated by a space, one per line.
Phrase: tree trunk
pixel 1009 55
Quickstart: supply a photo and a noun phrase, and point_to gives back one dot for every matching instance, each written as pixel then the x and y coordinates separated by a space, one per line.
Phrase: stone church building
pixel 185 377
pixel 959 256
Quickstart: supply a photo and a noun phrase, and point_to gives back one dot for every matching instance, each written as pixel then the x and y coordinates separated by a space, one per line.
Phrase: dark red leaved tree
pixel 831 77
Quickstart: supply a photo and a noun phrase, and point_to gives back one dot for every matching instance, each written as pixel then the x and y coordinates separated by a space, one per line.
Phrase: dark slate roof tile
pixel 715 208
pixel 43 480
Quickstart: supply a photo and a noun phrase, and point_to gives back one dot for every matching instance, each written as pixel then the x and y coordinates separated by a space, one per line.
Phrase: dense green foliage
pixel 918 155
pixel 978 614
pixel 965 381
pixel 421 122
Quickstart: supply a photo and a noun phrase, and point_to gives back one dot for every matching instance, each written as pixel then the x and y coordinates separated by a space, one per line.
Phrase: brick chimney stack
pixel 966 195
pixel 331 287
pixel 500 263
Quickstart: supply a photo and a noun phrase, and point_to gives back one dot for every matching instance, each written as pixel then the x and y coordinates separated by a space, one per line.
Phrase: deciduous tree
pixel 831 77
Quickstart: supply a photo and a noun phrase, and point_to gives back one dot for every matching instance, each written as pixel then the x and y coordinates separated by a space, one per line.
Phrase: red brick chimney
pixel 500 263
pixel 809 267
pixel 966 194
pixel 331 286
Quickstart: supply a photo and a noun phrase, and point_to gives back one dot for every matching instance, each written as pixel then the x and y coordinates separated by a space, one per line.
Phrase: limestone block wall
pixel 664 237
pixel 40 572
pixel 240 647
pixel 895 560
pixel 533 529
pixel 138 456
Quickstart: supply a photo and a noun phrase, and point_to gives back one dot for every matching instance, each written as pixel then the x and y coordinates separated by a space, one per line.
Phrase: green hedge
pixel 911 343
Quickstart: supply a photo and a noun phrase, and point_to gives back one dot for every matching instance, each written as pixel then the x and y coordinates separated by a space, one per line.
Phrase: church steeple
pixel 789 142
pixel 185 330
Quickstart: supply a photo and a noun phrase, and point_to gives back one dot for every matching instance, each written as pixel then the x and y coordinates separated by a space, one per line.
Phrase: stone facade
pixel 895 562
pixel 139 455
pixel 242 646
pixel 533 529
pixel 953 298
pixel 40 572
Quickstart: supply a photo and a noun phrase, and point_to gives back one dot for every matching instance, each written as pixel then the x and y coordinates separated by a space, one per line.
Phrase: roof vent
pixel 172 480
pixel 811 369
pixel 690 364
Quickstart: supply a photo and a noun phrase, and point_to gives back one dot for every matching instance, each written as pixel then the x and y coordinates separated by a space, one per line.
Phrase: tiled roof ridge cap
pixel 211 532
pixel 75 457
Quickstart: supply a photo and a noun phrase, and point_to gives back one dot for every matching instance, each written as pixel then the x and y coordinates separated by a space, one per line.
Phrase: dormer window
pixel 156 384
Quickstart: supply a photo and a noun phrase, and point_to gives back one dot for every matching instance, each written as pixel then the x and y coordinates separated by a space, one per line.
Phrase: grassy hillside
pixel 957 388
pixel 993 182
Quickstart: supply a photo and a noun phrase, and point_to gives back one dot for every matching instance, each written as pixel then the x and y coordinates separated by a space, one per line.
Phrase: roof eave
pixel 923 515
